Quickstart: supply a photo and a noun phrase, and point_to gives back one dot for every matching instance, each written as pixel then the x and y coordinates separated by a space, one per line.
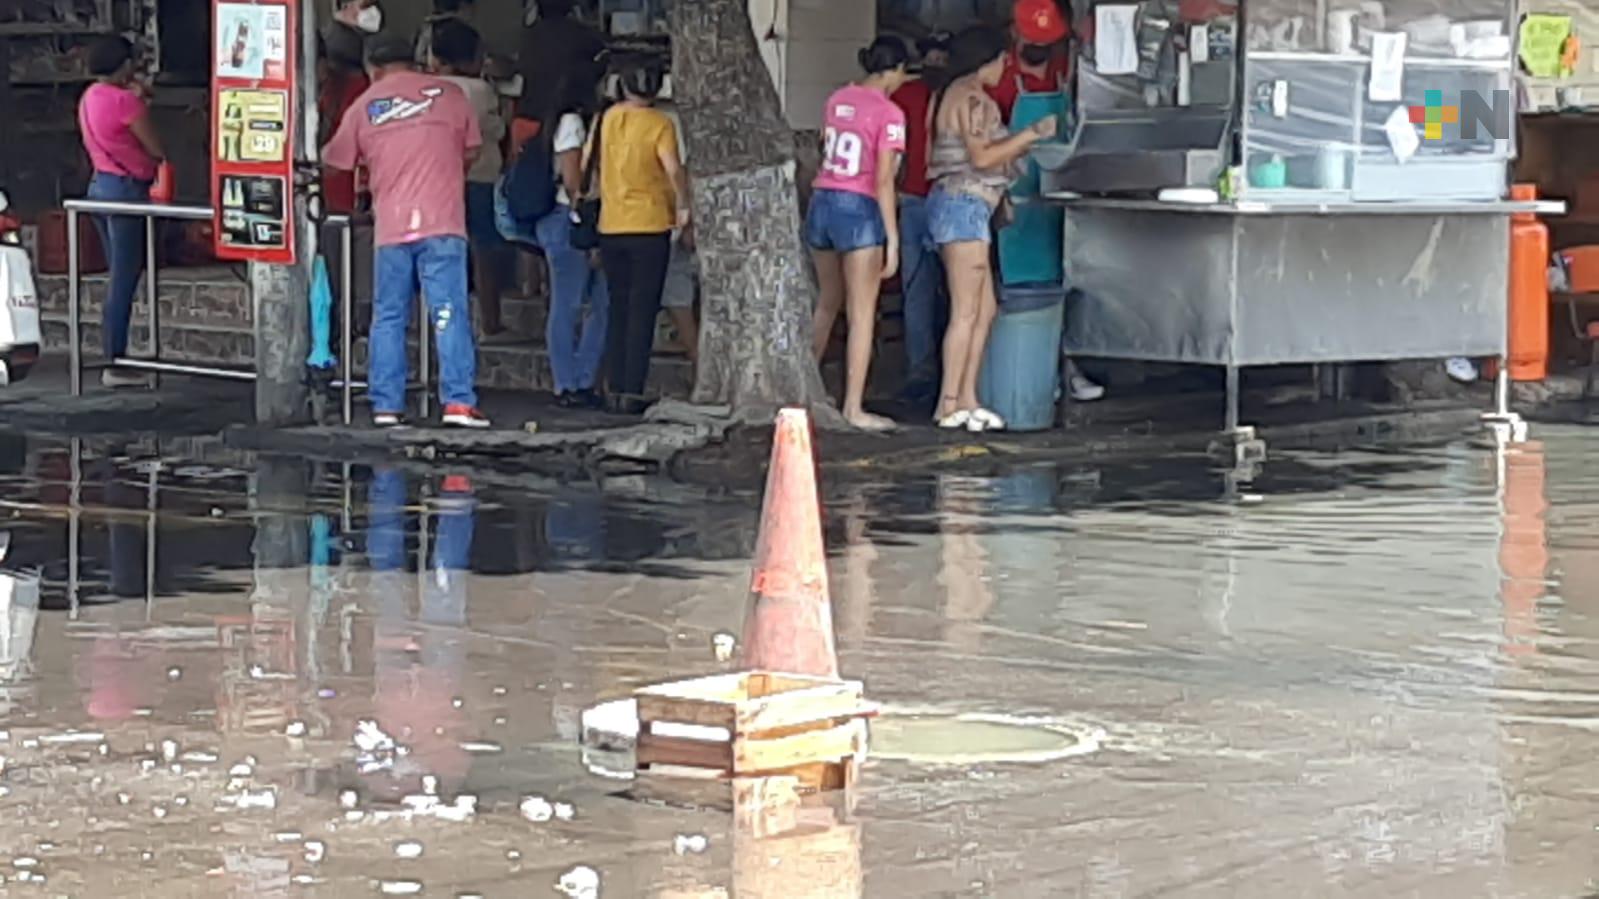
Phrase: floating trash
pixel 408 849
pixel 252 799
pixel 295 729
pixel 459 811
pixel 174 673
pixel 722 646
pixel 482 747
pixel 400 887
pixel 565 811
pixel 315 851
pixel 72 736
pixel 537 809
pixel 582 882
pixel 376 749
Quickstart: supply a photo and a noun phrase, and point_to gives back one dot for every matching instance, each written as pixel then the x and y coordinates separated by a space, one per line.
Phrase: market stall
pixel 1287 181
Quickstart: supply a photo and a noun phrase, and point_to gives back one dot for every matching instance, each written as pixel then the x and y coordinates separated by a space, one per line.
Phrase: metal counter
pixel 1246 284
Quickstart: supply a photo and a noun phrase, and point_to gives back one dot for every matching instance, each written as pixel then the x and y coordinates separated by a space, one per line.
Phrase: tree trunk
pixel 756 290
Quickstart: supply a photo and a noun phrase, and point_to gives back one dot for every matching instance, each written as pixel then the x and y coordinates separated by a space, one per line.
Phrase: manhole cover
pixel 933 739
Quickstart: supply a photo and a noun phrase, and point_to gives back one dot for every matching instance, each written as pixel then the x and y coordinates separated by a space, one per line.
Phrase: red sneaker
pixel 458 416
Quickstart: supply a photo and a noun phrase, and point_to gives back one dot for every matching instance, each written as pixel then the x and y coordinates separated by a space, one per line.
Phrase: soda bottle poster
pixel 252 42
pixel 252 138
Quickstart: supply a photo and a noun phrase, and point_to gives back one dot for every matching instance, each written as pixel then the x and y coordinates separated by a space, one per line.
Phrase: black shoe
pixel 580 399
pixel 626 403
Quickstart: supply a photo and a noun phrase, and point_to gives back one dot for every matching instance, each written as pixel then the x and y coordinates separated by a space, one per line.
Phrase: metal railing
pixel 150 212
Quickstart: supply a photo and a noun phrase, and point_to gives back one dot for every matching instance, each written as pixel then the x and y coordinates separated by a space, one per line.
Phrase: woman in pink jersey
pixel 852 226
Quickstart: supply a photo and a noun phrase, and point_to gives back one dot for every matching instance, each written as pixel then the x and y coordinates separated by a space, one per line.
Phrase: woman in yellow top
pixel 643 196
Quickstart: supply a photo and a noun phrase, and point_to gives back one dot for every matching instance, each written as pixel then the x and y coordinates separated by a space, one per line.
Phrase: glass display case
pixel 1367 100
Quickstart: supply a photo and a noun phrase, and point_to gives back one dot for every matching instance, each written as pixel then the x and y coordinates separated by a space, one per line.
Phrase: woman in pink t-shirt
pixel 852 225
pixel 123 146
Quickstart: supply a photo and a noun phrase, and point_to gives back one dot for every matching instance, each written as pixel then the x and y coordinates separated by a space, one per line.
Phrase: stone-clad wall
pixel 206 318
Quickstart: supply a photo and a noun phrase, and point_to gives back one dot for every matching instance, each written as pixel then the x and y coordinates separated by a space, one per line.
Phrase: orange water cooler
pixel 1529 291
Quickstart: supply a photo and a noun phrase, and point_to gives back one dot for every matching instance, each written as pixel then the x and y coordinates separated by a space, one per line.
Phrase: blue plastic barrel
pixel 1021 369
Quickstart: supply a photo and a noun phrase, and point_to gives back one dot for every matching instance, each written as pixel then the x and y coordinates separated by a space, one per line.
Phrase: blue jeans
pixel 921 281
pixel 844 222
pixel 959 217
pixel 122 237
pixel 385 520
pixel 444 594
pixel 574 334
pixel 438 266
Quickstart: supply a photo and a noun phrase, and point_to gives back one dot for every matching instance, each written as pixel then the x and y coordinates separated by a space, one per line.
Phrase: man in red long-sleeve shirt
pixel 920 273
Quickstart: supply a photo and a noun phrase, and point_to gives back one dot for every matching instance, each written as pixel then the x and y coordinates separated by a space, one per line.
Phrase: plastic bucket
pixel 1021 368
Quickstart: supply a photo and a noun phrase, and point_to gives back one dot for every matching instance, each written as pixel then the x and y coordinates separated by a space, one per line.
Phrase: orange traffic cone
pixel 789 627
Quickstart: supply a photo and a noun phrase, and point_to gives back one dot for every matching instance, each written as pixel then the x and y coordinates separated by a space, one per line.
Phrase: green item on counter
pixel 1229 184
pixel 1271 174
pixel 1543 37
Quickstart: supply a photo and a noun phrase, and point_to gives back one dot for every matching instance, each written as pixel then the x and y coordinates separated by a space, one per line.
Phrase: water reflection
pixel 1524 549
pixel 19 613
pixel 1376 680
pixel 419 650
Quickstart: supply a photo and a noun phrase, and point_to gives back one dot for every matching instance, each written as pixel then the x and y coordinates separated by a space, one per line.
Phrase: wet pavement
pixel 1367 673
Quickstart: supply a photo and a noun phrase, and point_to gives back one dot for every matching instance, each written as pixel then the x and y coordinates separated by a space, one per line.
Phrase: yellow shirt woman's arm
pixel 666 149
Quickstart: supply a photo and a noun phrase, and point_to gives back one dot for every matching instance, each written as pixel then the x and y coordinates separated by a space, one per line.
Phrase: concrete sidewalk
pixel 695 444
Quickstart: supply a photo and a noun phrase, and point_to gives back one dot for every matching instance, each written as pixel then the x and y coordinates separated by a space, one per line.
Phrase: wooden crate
pixel 755 723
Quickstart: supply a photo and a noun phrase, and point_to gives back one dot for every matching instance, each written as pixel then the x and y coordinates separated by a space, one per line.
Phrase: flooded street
pixel 1375 673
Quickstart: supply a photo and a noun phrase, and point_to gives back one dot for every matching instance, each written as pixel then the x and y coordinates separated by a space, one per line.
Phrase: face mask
pixel 369 19
pixel 1037 54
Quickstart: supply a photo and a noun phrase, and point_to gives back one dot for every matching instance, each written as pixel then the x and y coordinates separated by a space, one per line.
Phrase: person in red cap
pixel 1036 84
pixel 1040 61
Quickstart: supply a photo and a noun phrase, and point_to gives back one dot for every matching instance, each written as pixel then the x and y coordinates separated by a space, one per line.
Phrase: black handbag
pixel 586 209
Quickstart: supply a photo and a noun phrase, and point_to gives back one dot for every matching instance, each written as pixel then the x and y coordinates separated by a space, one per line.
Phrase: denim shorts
pixel 480 225
pixel 842 221
pixel 958 217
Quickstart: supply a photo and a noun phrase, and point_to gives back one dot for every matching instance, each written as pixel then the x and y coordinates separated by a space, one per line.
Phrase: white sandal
pixel 990 419
pixel 956 420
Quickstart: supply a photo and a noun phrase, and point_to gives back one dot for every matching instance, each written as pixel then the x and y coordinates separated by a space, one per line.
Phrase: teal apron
pixel 1030 247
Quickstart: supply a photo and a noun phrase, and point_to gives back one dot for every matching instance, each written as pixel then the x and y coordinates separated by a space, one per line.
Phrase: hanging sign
pixel 252 142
